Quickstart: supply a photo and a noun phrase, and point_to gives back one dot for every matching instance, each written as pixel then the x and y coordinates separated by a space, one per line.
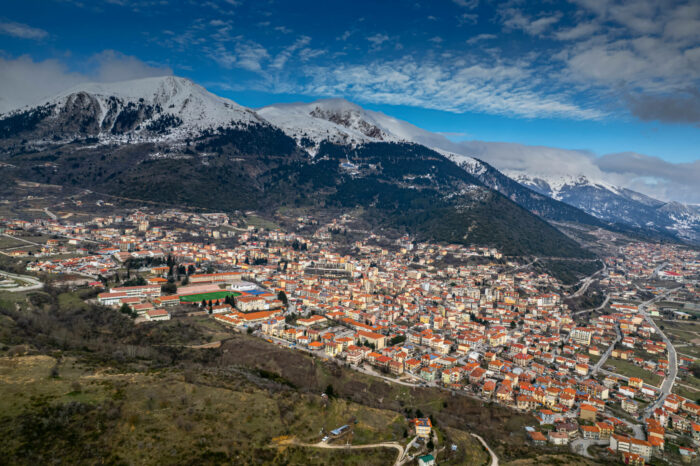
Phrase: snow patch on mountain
pixel 165 108
pixel 555 185
pixel 333 120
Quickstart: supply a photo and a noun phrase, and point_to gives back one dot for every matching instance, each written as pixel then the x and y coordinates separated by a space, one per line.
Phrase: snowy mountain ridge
pixel 148 109
pixel 555 184
pixel 175 111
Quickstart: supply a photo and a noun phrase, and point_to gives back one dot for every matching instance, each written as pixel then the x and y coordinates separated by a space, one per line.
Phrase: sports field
pixel 196 298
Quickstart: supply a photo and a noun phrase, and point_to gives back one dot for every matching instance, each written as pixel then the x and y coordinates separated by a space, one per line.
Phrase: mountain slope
pixel 618 205
pixel 168 140
pixel 150 109
pixel 342 122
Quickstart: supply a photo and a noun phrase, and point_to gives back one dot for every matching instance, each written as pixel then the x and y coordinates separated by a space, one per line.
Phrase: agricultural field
pixel 684 334
pixel 688 387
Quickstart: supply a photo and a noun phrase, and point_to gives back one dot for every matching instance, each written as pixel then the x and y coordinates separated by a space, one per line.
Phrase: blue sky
pixel 604 76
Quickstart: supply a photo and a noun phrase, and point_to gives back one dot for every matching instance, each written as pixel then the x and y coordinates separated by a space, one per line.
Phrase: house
pixel 629 405
pixel 412 364
pixel 635 382
pixel 606 429
pixel 376 339
pixel 623 444
pixel 426 460
pixel 547 416
pixel 558 438
pixel 632 459
pixel 590 432
pixel 427 373
pixel 111 299
pixel 489 387
pixel 423 427
pixel 582 335
pixel 526 402
pixel 588 412
pixel 687 454
pixel 157 314
pixel 145 291
pixel 537 438
pixel 354 357
pixel 395 367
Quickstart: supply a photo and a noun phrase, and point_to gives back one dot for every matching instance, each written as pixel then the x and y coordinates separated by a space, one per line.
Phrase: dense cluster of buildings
pixel 458 317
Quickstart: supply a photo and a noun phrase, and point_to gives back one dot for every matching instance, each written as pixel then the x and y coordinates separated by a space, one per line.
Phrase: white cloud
pixel 481 37
pixel 250 56
pixel 24 81
pixel 456 86
pixel 579 31
pixel 516 19
pixel 469 4
pixel 654 176
pixel 22 31
pixel 345 36
pixel 111 65
pixel 378 39
pixel 282 58
pixel 646 174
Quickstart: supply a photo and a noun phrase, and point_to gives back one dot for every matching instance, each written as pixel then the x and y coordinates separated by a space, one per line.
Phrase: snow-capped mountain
pixel 337 121
pixel 172 112
pixel 148 109
pixel 616 204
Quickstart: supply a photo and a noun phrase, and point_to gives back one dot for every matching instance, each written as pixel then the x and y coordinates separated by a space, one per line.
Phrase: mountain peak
pixel 137 88
pixel 147 109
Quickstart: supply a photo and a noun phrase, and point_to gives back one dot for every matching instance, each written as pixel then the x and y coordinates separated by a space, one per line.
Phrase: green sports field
pixel 197 298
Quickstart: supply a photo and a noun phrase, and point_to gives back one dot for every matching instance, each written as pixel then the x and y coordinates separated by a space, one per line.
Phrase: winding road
pixel 494 458
pixel 34 283
pixel 670 379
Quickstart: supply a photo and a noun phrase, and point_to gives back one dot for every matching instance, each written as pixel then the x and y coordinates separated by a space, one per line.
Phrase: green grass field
pixel 630 370
pixel 196 298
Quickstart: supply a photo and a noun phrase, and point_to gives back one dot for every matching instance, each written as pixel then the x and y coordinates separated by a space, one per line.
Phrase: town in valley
pixel 604 366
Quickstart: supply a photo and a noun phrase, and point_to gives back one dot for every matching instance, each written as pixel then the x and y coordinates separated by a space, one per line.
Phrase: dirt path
pixel 494 458
pixel 393 445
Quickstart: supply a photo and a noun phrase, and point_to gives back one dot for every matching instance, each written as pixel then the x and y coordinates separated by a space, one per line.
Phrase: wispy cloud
pixel 454 87
pixel 22 31
pixel 469 4
pixel 282 58
pixel 515 19
pixel 377 39
pixel 481 37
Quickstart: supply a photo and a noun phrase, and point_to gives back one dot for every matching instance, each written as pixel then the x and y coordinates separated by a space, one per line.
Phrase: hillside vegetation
pixel 401 187
pixel 82 383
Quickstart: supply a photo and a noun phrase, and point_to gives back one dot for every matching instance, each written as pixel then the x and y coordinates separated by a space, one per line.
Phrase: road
pixel 656 271
pixel 34 284
pixel 580 446
pixel 605 303
pixel 21 239
pixel 50 214
pixel 494 458
pixel 586 281
pixel 520 267
pixel 606 355
pixel 670 379
pixel 394 445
